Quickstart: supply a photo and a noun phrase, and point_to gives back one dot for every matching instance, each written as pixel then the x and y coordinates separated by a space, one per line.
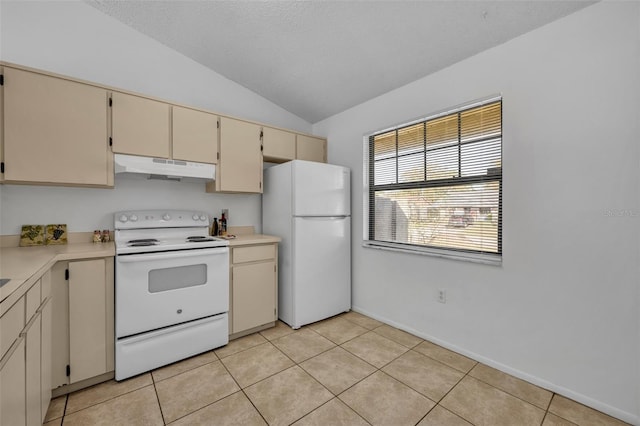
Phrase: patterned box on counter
pixel 56 234
pixel 31 235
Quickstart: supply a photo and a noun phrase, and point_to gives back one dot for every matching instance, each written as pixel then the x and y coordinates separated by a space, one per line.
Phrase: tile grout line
pixel 155 390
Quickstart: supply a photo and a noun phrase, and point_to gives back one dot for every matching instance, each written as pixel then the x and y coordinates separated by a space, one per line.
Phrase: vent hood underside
pixel 162 167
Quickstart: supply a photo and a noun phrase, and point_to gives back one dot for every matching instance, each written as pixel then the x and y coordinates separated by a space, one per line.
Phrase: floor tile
pixel 280 329
pixel 184 365
pixel 235 409
pixel 139 407
pixel 440 416
pixel 337 369
pixel 362 320
pixel 398 336
pixel 303 344
pixel 240 344
pixel 56 408
pixel 375 349
pixel 382 400
pixel 516 387
pixel 255 364
pixel 580 414
pixel 338 329
pixel 425 375
pixel 287 396
pixel 553 420
pixel 182 394
pixel 445 356
pixel 334 413
pixel 105 391
pixel 484 405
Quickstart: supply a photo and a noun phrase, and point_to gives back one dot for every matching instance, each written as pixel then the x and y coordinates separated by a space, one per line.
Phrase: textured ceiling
pixel 318 58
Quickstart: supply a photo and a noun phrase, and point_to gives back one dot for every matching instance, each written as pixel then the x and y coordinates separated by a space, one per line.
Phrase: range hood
pixel 161 168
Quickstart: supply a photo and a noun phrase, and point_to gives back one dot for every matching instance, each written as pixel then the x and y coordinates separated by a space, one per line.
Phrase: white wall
pixel 74 39
pixel 563 309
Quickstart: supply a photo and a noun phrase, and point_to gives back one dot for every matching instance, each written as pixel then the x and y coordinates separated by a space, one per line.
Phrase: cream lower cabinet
pixel 83 320
pixel 254 288
pixel 25 374
pixel 240 164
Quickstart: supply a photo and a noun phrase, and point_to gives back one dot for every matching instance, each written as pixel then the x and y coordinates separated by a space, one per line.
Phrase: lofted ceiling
pixel 318 58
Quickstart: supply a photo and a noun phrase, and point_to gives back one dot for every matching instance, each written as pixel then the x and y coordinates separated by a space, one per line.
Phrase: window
pixel 437 183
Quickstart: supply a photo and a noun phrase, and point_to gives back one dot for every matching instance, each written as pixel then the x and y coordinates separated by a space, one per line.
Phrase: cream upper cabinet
pixel 311 149
pixel 140 126
pixel 195 135
pixel 240 164
pixel 278 145
pixel 55 131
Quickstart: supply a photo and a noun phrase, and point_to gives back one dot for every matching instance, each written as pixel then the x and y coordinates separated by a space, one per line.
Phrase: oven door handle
pixel 129 258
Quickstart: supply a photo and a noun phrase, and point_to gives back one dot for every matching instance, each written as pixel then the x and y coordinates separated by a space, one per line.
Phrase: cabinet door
pixel 254 295
pixel 240 164
pixel 45 359
pixel 55 130
pixel 311 149
pixel 195 135
pixel 33 373
pixel 87 319
pixel 140 126
pixel 279 146
pixel 12 388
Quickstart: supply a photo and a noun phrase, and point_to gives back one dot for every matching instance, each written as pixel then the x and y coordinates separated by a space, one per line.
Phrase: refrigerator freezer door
pixel 321 189
pixel 321 268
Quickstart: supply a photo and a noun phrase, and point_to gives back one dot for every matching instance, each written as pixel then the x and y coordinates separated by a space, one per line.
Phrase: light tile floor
pixel 347 370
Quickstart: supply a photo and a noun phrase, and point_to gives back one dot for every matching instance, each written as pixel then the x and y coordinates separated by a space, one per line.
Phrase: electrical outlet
pixel 442 295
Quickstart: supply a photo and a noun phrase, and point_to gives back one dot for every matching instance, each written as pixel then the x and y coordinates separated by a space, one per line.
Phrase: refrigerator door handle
pixel 322 217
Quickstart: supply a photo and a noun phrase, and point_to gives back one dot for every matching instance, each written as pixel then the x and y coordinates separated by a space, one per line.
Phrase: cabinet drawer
pixel 33 300
pixel 254 253
pixel 11 324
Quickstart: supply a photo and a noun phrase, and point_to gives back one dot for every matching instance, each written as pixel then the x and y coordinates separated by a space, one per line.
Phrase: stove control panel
pixel 160 219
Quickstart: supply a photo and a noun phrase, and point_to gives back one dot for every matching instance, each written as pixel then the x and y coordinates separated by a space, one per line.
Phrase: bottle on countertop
pixel 106 236
pixel 214 227
pixel 97 237
pixel 223 225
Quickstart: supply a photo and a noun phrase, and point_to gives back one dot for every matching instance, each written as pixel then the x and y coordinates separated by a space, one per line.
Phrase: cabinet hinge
pixel 261 148
pixel 110 141
pixel 68 370
pixel 260 185
pixel 1 79
pixel 261 134
pixel 66 274
pixel 2 167
pixel 218 124
pixel 218 155
pixel 110 102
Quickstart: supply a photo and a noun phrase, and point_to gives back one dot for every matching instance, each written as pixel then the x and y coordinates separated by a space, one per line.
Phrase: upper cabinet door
pixel 55 131
pixel 140 126
pixel 311 149
pixel 240 163
pixel 279 146
pixel 195 135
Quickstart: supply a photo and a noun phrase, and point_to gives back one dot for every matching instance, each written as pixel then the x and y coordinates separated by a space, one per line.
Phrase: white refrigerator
pixel 308 205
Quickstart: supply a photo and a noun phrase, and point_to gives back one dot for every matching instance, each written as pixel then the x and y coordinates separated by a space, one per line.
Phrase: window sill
pixel 487 259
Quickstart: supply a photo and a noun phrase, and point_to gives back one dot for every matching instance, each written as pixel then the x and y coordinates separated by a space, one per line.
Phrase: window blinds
pixel 438 182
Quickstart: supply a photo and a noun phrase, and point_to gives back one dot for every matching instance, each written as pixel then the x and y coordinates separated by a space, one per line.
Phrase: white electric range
pixel 171 288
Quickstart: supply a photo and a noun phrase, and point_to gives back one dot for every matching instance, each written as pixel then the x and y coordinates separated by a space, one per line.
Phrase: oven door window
pixel 166 279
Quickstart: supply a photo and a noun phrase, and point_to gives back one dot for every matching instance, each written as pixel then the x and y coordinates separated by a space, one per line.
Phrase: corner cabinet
pixel 83 319
pixel 55 131
pixel 254 288
pixel 25 367
pixel 240 164
pixel 281 146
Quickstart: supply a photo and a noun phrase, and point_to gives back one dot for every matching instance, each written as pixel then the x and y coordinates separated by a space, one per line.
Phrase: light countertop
pixel 26 264
pixel 248 239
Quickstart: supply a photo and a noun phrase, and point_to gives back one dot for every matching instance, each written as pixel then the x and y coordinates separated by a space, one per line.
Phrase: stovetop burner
pixel 198 239
pixel 143 240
